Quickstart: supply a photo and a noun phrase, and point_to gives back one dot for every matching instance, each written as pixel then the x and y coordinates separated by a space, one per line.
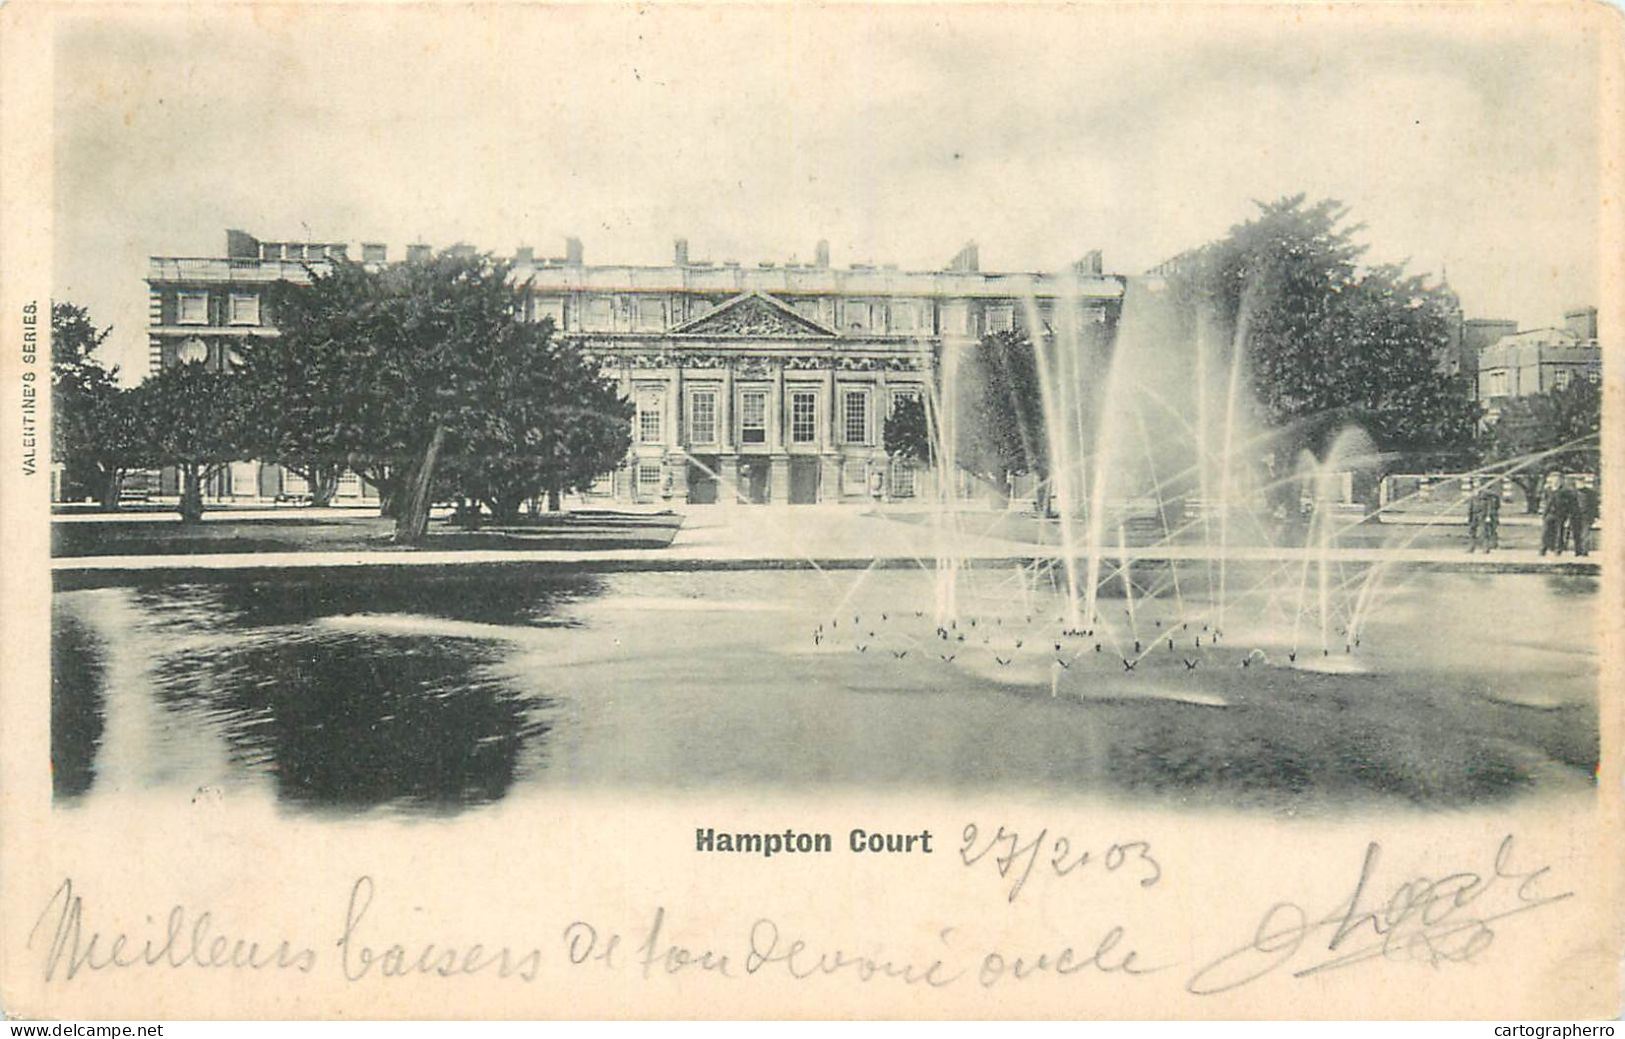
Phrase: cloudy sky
pixel 1464 141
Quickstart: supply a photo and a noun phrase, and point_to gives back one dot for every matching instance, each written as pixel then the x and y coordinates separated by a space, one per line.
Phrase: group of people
pixel 1567 510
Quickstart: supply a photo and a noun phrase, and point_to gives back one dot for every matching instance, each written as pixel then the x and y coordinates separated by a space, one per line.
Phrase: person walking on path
pixel 1484 519
pixel 1568 509
pixel 1551 516
pixel 1475 521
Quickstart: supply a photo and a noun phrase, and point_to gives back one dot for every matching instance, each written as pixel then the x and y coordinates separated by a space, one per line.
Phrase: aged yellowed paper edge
pixel 563 874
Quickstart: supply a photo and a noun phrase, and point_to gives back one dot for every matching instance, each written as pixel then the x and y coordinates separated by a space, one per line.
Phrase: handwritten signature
pixel 1435 921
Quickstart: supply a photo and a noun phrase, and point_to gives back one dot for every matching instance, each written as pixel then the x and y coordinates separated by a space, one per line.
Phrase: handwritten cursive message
pixel 1387 916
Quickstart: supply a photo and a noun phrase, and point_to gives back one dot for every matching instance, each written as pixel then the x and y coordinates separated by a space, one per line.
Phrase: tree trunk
pixel 191 503
pixel 387 482
pixel 1531 495
pixel 506 510
pixel 324 483
pixel 112 483
pixel 412 518
pixel 554 498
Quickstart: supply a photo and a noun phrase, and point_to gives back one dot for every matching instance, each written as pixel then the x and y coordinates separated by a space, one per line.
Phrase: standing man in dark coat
pixel 1475 520
pixel 1485 518
pixel 1551 516
pixel 1585 513
pixel 1568 507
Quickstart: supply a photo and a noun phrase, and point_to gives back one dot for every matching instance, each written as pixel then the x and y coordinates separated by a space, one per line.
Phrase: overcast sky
pixel 1462 143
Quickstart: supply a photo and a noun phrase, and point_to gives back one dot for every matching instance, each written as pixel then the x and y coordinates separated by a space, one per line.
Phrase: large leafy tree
pixel 552 424
pixel 908 432
pixel 405 370
pixel 93 433
pixel 312 405
pixel 192 418
pixel 1000 418
pixel 1538 433
pixel 1329 342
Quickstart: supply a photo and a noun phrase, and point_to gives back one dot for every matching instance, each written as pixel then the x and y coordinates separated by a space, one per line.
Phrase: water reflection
pixel 77 704
pixel 422 692
pixel 343 695
pixel 353 721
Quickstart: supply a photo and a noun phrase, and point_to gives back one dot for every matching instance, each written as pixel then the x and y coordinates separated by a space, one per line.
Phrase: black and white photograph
pixel 1191 428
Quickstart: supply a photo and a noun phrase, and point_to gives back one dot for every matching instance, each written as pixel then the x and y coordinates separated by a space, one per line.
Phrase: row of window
pixel 192 308
pixel 702 416
pixel 650 314
pixel 1497 382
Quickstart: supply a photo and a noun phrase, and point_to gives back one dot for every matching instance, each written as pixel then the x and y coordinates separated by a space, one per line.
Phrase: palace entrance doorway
pixel 753 480
pixel 803 481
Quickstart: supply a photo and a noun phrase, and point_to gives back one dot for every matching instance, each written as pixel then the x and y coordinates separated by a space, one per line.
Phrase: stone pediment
pixel 756 315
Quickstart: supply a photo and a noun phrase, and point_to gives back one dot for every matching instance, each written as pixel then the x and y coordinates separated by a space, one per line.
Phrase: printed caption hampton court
pixel 768 845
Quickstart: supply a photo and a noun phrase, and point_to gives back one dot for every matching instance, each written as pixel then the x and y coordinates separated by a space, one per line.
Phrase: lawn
pixel 571 531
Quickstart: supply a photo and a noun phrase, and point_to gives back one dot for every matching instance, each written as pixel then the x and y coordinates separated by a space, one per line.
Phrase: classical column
pixel 829 460
pixel 779 437
pixel 675 433
pixel 725 409
pixel 832 425
pixel 676 438
pixel 882 411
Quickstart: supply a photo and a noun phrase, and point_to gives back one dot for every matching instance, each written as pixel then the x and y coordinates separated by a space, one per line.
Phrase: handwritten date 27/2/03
pixel 1016 859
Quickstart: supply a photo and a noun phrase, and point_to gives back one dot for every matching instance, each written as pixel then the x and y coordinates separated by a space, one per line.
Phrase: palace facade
pixel 752 384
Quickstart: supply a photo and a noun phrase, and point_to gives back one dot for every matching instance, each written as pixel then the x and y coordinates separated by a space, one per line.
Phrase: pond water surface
pixel 436 692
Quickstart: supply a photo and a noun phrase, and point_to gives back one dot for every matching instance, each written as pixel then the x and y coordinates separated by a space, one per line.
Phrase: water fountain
pixel 1181 539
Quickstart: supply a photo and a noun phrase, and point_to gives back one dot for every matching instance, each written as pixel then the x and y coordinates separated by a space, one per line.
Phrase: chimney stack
pixel 524 256
pixel 822 259
pixel 417 253
pixel 573 254
pixel 679 252
pixel 241 245
pixel 1581 321
pixel 1091 264
pixel 966 259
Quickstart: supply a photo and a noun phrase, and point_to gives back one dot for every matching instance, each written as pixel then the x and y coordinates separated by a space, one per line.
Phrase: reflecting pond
pixel 423 690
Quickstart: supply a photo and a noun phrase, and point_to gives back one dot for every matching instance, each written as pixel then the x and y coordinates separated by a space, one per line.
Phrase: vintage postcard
pixel 799 511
